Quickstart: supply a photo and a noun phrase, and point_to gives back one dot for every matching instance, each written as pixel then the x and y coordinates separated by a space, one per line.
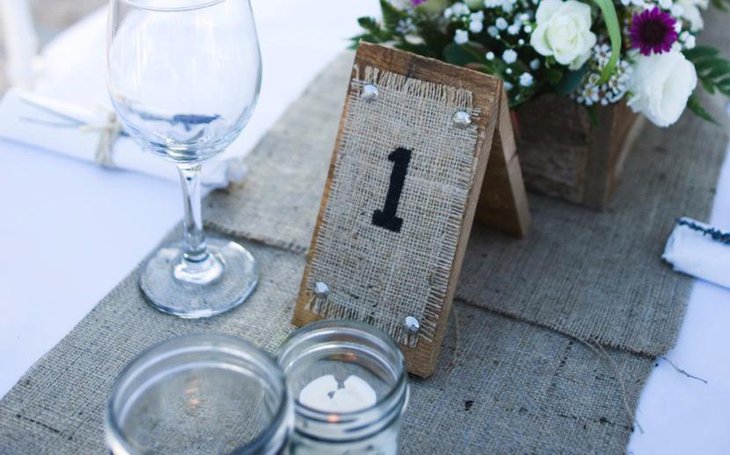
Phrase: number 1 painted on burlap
pixel 387 218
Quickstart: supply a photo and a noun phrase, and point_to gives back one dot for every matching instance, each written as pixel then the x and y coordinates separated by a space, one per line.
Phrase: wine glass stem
pixel 196 249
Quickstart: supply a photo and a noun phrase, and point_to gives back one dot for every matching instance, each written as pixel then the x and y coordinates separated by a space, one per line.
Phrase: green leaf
pixel 614 33
pixel 355 42
pixel 434 38
pixel 415 48
pixel 368 23
pixel 365 37
pixel 713 70
pixel 717 70
pixel 570 81
pixel 700 52
pixel 554 75
pixel 461 55
pixel 391 16
pixel 695 106
pixel 493 67
pixel 724 86
pixel 483 68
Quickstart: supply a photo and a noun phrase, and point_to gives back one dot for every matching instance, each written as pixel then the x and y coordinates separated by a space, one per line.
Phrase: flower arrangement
pixel 597 52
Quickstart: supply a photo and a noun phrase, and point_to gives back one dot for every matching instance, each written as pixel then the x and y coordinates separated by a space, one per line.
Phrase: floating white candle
pixel 327 395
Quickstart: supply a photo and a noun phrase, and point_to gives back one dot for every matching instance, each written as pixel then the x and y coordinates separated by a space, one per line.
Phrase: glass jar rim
pixel 393 402
pixel 186 344
pixel 156 5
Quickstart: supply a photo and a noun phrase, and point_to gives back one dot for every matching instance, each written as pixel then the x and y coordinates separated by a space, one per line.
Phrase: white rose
pixel 660 86
pixel 692 14
pixel 564 32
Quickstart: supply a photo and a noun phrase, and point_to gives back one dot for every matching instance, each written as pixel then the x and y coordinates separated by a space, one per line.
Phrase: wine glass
pixel 184 77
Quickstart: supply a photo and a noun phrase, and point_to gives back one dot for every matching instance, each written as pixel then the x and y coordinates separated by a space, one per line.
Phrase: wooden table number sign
pixel 406 177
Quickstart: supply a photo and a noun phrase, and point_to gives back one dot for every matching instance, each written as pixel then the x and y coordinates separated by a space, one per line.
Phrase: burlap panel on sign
pixel 361 262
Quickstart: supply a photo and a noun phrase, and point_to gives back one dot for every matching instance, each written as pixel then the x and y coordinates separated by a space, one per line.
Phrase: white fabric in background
pixel 696 253
pixel 681 415
pixel 71 230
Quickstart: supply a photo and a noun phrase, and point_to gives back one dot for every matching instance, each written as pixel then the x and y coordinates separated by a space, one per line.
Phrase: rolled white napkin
pixel 84 134
pixel 69 108
pixel 700 250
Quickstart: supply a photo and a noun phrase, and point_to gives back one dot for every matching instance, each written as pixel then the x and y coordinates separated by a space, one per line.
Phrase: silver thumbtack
pixel 370 93
pixel 320 294
pixel 412 325
pixel 321 290
pixel 462 119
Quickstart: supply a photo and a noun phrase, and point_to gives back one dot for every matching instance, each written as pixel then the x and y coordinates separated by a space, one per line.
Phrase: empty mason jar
pixel 350 388
pixel 212 394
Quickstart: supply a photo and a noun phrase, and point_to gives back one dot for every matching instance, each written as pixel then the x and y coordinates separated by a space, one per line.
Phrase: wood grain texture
pixel 503 201
pixel 488 95
pixel 566 154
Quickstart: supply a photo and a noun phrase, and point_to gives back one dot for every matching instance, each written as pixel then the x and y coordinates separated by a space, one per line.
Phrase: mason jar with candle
pixel 350 389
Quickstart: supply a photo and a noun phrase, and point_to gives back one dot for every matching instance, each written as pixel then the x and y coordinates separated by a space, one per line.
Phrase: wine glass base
pixel 191 300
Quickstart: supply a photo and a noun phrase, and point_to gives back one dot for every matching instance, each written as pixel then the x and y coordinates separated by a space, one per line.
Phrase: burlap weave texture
pixel 361 261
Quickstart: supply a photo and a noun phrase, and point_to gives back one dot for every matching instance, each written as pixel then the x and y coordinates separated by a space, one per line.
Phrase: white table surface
pixel 71 231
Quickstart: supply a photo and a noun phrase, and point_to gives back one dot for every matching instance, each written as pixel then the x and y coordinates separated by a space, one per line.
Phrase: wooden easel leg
pixel 503 201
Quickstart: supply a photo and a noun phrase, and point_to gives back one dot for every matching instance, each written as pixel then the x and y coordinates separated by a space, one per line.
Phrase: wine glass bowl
pixel 184 78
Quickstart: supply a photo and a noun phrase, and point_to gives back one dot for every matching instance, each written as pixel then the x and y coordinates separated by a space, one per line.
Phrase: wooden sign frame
pixel 498 201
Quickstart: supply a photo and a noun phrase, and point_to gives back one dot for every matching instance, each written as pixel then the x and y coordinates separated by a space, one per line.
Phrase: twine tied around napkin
pixel 95 135
pixel 71 117
pixel 109 134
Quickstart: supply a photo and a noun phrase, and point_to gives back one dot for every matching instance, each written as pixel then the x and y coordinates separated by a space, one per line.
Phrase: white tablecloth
pixel 70 231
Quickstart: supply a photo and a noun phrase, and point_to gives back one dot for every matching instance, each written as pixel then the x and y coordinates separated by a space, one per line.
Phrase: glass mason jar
pixel 350 387
pixel 200 394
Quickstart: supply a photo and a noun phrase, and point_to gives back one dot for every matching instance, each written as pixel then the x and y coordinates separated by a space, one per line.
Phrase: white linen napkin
pixel 700 250
pixel 68 111
pixel 85 134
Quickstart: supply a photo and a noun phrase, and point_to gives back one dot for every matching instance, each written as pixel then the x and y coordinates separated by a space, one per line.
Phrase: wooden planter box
pixel 567 155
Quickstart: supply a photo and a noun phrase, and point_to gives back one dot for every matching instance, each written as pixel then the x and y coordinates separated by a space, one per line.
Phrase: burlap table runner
pixel 504 385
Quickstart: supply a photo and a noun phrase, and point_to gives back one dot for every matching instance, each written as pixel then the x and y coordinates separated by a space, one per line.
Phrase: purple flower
pixel 653 31
pixel 417 2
